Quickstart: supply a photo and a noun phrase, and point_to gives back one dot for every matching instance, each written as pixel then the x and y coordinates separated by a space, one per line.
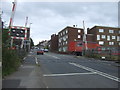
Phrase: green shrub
pixel 10 61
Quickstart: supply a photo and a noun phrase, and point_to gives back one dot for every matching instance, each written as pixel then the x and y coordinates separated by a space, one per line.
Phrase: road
pixel 68 71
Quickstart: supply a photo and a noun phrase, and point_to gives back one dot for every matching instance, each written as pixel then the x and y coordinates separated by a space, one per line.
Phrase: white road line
pixel 36 61
pixel 24 58
pixel 67 74
pixel 97 72
pixel 0 64
pixel 53 56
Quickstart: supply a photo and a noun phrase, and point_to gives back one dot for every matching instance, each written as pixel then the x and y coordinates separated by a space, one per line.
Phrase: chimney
pixel 73 25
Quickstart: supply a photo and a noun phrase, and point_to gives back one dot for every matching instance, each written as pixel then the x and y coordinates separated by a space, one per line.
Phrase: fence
pixel 103 54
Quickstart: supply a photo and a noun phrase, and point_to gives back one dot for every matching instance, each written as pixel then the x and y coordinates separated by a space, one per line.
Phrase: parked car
pixel 39 51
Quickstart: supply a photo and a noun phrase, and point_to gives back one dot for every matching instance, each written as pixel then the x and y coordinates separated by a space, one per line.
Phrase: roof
pixel 105 27
pixel 69 27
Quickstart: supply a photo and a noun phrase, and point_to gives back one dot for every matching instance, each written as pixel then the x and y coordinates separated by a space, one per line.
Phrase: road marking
pixel 0 64
pixel 97 72
pixel 67 74
pixel 36 61
pixel 53 56
pixel 24 58
pixel 29 55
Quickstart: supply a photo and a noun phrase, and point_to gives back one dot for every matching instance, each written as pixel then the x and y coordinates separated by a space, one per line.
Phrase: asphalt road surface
pixel 68 71
pixel 65 71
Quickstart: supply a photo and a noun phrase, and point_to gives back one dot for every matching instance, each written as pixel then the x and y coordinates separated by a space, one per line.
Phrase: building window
pixel 60 49
pixel 113 37
pixel 66 42
pixel 101 30
pixel 79 31
pixel 119 43
pixel 111 43
pixel 108 38
pixel 64 49
pixel 79 36
pixel 59 40
pixel 61 34
pixel 98 37
pixel 101 43
pixel 111 31
pixel 119 32
pixel 103 37
pixel 66 31
pixel 118 38
pixel 66 36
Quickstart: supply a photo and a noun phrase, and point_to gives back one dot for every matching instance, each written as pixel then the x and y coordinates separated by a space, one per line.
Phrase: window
pixel 79 36
pixel 64 49
pixel 59 40
pixel 98 37
pixel 66 42
pixel 118 38
pixel 101 30
pixel 59 44
pixel 119 43
pixel 66 31
pixel 108 38
pixel 66 36
pixel 111 31
pixel 79 31
pixel 119 32
pixel 113 37
pixel 111 43
pixel 60 49
pixel 101 43
pixel 103 37
pixel 61 34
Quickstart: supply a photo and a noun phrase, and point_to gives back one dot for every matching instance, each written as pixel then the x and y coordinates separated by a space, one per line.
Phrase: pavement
pixel 63 71
pixel 27 76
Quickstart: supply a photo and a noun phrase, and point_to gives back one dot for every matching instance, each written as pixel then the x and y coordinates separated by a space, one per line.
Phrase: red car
pixel 40 52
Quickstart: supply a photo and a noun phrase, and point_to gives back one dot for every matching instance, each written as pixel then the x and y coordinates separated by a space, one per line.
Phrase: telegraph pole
pixel 84 37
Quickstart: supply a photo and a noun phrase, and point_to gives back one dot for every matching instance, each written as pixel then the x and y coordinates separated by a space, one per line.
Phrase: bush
pixel 10 61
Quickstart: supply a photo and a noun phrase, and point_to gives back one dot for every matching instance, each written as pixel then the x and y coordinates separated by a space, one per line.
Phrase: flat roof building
pixel 68 34
pixel 108 37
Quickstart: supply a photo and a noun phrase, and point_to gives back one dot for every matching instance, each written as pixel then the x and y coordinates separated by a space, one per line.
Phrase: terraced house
pixel 108 37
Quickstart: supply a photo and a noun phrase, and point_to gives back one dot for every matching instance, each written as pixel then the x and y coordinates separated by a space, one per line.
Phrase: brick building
pixel 108 37
pixel 68 34
pixel 54 43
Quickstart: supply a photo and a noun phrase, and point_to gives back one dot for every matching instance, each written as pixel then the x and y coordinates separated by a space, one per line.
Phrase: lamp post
pixel 29 37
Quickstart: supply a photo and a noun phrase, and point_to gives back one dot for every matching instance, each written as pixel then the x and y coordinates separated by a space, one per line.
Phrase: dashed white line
pixel 53 56
pixel 0 64
pixel 36 61
pixel 24 58
pixel 97 72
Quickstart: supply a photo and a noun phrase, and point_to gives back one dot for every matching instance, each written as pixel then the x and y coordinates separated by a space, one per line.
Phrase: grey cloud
pixel 51 17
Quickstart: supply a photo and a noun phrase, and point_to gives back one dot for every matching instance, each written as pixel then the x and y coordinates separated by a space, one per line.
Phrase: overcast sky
pixel 48 18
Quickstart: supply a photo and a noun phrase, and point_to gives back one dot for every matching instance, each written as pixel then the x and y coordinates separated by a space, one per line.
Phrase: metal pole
pixel 84 37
